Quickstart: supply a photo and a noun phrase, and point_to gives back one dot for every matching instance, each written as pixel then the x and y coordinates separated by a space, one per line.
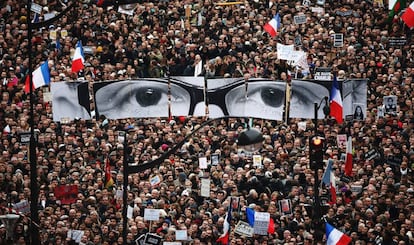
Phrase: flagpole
pixel 34 193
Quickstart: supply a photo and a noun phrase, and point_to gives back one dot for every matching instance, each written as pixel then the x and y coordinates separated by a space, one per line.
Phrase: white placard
pixel 171 243
pixel 155 180
pixel 205 188
pixel 48 16
pixel 257 160
pixel 301 60
pixel 202 162
pixel 47 97
pixel 151 214
pixel 302 126
pixel 284 51
pixel 130 212
pixel 244 229
pixel 36 8
pixel 119 194
pixel 181 235
pixel 75 235
pixel 22 207
pixel 300 19
pixel 318 10
pixel 261 223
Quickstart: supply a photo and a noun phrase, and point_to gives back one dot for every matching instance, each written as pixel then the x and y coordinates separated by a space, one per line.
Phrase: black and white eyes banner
pixel 193 96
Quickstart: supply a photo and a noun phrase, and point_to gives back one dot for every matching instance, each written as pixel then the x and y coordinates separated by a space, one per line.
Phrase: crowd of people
pixel 374 205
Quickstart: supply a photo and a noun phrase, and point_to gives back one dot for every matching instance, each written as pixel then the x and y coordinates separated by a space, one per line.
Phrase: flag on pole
pixel 336 109
pixel 250 213
pixel 109 181
pixel 348 158
pixel 273 25
pixel 408 16
pixel 40 77
pixel 224 238
pixel 335 237
pixel 396 8
pixel 328 179
pixel 78 61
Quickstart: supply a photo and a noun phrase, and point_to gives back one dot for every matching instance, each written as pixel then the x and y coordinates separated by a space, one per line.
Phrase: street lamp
pixel 316 152
pixel 9 221
pixel 250 140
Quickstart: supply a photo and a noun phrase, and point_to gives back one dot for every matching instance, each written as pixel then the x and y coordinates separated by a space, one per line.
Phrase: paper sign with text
pixel 205 188
pixel 151 214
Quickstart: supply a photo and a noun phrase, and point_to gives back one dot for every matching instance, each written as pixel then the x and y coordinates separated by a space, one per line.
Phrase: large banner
pixel 195 96
pixel 190 96
pixel 258 98
pixel 70 100
pixel 145 98
pixel 307 92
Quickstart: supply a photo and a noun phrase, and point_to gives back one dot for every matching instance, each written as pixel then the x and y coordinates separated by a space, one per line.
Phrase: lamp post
pixel 34 192
pixel 316 147
pixel 9 221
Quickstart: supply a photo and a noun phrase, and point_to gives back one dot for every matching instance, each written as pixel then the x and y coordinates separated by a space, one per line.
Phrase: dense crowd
pixel 373 206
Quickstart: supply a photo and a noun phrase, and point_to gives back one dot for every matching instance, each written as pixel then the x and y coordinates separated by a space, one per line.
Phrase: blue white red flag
pixel 273 25
pixel 336 107
pixel 78 61
pixel 41 77
pixel 335 236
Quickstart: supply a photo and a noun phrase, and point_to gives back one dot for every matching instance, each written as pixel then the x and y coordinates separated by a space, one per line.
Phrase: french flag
pixel 78 61
pixel 336 108
pixel 224 238
pixel 328 179
pixel 408 16
pixel 40 77
pixel 273 25
pixel 250 213
pixel 335 237
pixel 348 157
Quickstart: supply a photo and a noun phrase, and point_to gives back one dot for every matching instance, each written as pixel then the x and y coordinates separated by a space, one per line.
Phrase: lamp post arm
pixel 156 162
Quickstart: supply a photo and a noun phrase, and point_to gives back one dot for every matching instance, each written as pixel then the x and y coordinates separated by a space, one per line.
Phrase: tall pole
pixel 125 192
pixel 317 211
pixel 34 192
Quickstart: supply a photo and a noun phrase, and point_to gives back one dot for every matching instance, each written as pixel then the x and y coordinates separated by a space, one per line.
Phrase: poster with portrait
pixel 146 98
pixel 304 94
pixel 70 100
pixel 390 104
pixel 258 98
pixel 341 141
pixel 354 91
pixel 195 101
pixel 359 111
